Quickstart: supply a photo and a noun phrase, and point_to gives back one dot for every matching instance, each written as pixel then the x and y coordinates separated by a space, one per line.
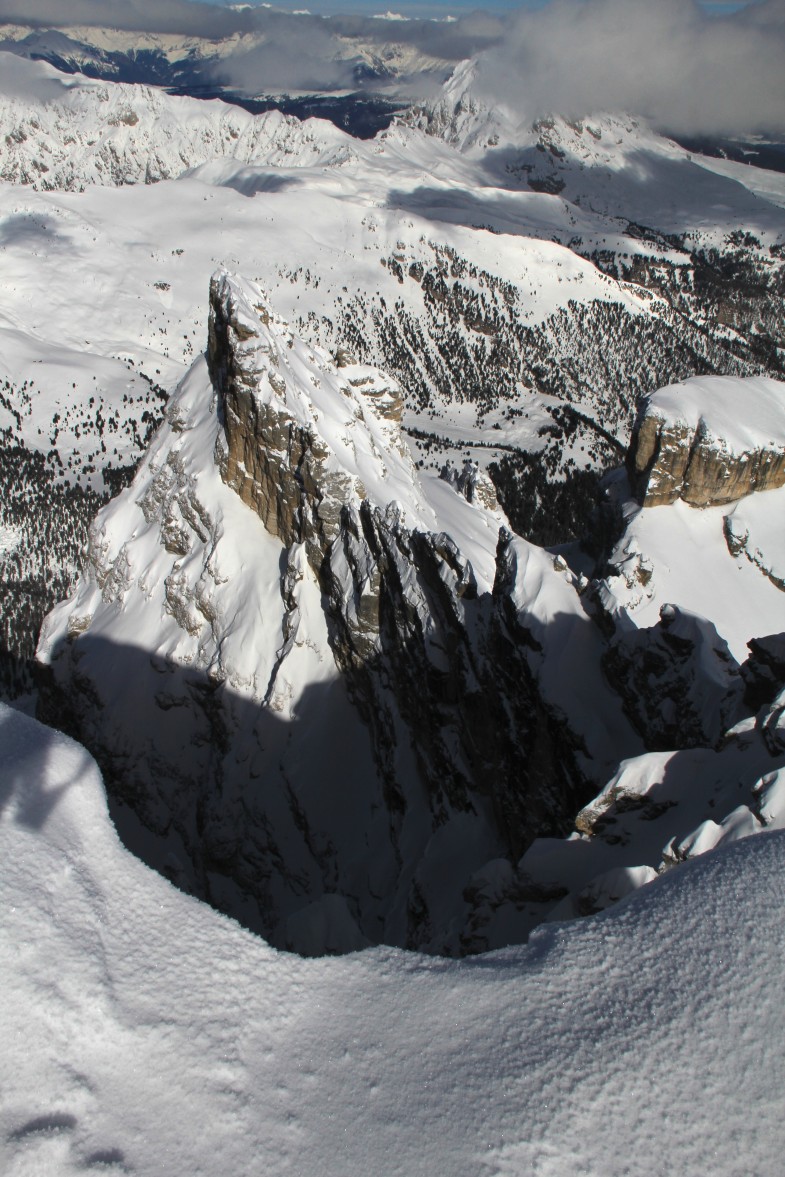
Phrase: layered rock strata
pixel 709 441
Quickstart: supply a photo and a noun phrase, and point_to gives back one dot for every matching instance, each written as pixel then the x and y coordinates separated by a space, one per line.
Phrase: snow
pixel 187 589
pixel 10 538
pixel 756 523
pixel 126 538
pixel 144 1032
pixel 345 407
pixel 121 273
pixel 657 811
pixel 767 184
pixel 68 133
pixel 687 552
pixel 214 600
pixel 568 666
pixel 608 164
pixel 742 415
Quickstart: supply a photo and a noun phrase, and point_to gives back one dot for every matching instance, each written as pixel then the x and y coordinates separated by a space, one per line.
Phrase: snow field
pixel 145 1033
pixel 692 566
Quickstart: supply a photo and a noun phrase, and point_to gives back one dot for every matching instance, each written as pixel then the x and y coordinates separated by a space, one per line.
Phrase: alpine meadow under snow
pixel 397 525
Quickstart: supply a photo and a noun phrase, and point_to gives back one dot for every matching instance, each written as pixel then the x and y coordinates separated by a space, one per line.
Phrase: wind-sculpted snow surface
pixel 144 1032
pixel 292 656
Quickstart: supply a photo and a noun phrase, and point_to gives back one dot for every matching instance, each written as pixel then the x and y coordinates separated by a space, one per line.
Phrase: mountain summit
pixel 299 662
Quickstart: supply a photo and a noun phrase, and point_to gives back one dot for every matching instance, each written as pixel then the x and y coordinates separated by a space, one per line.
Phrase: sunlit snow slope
pixel 64 131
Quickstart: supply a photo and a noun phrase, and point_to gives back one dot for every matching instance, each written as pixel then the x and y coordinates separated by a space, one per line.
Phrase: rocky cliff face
pixel 320 687
pixel 709 441
pixel 272 452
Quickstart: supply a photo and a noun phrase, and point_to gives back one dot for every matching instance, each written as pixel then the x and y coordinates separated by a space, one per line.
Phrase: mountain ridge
pixel 388 612
pixel 473 689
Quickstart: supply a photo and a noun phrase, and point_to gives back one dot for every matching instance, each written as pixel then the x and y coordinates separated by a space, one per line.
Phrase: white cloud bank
pixel 667 60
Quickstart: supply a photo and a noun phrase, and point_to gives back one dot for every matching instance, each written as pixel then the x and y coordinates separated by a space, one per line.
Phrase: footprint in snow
pixel 106 1158
pixel 46 1127
pixel 50 1125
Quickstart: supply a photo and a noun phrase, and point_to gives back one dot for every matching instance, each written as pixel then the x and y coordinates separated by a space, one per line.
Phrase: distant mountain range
pixel 192 67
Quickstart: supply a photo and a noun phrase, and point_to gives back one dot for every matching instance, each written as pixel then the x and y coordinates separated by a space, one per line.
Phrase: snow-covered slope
pixel 280 556
pixel 520 321
pixel 387 254
pixel 65 132
pixel 609 163
pixel 690 592
pixel 353 54
pixel 707 461
pixel 664 808
pixel 689 556
pixel 143 1031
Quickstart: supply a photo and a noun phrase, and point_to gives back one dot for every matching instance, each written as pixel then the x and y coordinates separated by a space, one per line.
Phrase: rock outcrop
pixel 471 482
pixel 680 684
pixel 325 718
pixel 270 454
pixel 709 441
pixel 763 673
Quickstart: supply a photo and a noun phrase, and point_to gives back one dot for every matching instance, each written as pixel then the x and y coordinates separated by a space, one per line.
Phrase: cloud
pixel 19 81
pixel 282 51
pixel 297 53
pixel 183 17
pixel 668 60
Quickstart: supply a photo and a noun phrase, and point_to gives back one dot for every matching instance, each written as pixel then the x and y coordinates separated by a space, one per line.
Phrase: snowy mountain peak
pixel 465 115
pixel 304 437
pixel 326 679
pixel 459 116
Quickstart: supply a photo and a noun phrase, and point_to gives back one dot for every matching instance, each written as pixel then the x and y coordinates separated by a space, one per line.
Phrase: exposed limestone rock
pixel 387 401
pixel 319 701
pixel 276 457
pixel 709 441
pixel 471 482
pixel 274 464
